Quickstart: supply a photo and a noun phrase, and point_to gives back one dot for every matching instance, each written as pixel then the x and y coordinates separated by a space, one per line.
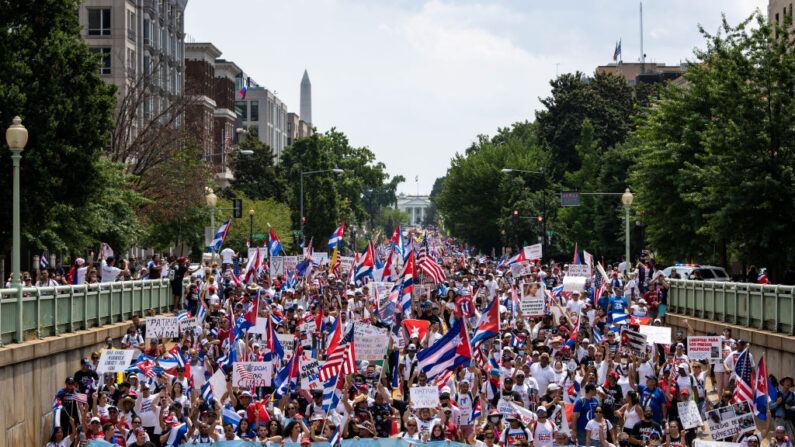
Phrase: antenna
pixel 642 54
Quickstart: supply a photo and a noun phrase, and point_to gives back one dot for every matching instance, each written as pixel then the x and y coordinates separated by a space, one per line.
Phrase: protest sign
pixel 573 283
pixel 504 407
pixel 114 360
pixel 689 414
pixel 580 270
pixel 704 348
pixel 424 396
pixel 218 384
pixel 165 327
pixel 632 343
pixel 533 252
pixel 370 341
pixel 379 290
pixel 702 443
pixel 518 269
pixel 346 262
pixel 656 334
pixel 532 306
pixel 309 374
pixel 728 421
pixel 247 374
pixel 188 325
pixel 288 343
pixel 261 326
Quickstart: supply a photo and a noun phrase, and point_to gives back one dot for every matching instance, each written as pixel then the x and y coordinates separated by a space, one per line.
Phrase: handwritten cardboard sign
pixel 164 327
pixel 114 360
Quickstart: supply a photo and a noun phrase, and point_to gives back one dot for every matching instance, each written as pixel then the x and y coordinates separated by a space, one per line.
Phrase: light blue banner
pixel 382 442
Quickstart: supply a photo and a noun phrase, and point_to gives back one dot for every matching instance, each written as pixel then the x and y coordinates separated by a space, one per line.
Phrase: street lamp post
pixel 251 226
pixel 303 173
pixel 212 200
pixel 544 200
pixel 626 199
pixel 17 138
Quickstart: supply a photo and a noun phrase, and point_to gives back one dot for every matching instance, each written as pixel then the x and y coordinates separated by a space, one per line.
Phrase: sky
pixel 418 81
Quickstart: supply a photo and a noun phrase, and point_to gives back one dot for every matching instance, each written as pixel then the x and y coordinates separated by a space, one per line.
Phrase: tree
pixel 256 175
pixel 715 164
pixel 267 213
pixel 51 80
pixel 387 219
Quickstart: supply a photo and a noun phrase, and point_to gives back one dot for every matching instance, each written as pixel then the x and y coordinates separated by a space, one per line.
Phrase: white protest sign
pixel 518 269
pixel 702 443
pixel 656 334
pixel 261 327
pixel 259 372
pixel 532 306
pixel 580 270
pixel 424 396
pixel 320 258
pixel 165 327
pixel 704 348
pixel 346 262
pixel 689 414
pixel 573 283
pixel 288 343
pixel 114 360
pixel 504 407
pixel 533 252
pixel 218 384
pixel 309 374
pixel 728 421
pixel 188 325
pixel 371 342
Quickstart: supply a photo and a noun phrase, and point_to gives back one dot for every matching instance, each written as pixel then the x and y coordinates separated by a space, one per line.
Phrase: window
pixel 99 22
pixel 147 65
pixel 240 110
pixel 254 111
pixel 147 32
pixel 131 62
pixel 104 65
pixel 131 25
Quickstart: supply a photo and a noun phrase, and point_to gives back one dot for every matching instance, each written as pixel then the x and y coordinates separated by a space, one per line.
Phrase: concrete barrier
pixel 32 372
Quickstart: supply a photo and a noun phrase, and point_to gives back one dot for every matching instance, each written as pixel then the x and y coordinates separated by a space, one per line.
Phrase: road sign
pixel 237 208
pixel 259 236
pixel 569 198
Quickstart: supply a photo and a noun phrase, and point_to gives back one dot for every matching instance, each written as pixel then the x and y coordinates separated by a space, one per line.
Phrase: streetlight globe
pixel 251 212
pixel 211 198
pixel 337 171
pixel 506 170
pixel 627 197
pixel 16 134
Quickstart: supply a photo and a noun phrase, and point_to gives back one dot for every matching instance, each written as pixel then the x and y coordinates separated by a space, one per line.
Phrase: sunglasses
pixel 411 425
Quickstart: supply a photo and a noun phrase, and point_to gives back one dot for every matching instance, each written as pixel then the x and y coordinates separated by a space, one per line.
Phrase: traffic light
pixel 515 217
pixel 237 208
pixel 303 220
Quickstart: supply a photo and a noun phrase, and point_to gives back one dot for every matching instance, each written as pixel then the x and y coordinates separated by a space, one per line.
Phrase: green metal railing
pixel 760 306
pixel 48 311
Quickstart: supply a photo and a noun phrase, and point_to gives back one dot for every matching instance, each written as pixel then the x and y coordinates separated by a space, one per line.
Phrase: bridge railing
pixel 761 306
pixel 56 310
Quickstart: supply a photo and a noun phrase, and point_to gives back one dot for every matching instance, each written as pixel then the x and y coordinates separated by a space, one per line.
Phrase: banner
pixel 424 396
pixel 309 374
pixel 580 270
pixel 632 343
pixel 164 327
pixel 689 414
pixel 371 342
pixel 218 384
pixel 260 373
pixel 728 421
pixel 704 348
pixel 702 443
pixel 114 360
pixel 380 442
pixel 288 343
pixel 656 334
pixel 533 252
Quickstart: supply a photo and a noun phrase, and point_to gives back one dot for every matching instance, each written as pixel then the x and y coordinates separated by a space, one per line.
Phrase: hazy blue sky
pixel 417 81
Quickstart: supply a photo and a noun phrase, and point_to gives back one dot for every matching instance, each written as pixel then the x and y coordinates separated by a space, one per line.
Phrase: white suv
pixel 708 272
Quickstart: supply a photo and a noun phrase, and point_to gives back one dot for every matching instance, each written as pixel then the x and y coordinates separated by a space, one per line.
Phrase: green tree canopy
pixel 256 175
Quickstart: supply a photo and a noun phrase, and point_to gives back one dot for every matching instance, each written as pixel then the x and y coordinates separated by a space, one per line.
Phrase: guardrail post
pixel 20 319
pixel 38 312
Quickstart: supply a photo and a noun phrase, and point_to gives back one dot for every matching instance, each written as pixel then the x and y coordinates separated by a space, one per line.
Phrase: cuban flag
pixel 207 392
pixel 517 342
pixel 618 318
pixel 409 277
pixel 275 244
pixel 57 408
pixel 502 262
pixel 43 264
pixel 597 337
pixel 220 236
pixel 762 278
pixel 397 240
pixel 274 348
pixel 448 353
pixel 182 316
pixel 230 415
pixel 335 440
pixel 762 389
pixel 332 391
pixel 287 380
pixel 483 259
pixel 243 92
pixel 366 262
pixel 476 411
pixel 489 324
pixel 336 238
pixel 519 257
pixel 251 268
pixel 177 433
pixel 639 320
pixel 201 313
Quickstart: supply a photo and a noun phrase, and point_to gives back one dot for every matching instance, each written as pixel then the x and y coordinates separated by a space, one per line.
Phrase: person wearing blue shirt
pixel 584 412
pixel 652 396
pixel 618 304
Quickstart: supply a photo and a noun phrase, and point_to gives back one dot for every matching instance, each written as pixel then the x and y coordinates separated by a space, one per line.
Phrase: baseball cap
pixel 94 419
pixel 305 441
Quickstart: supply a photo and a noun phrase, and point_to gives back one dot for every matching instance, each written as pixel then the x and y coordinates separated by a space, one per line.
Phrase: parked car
pixel 707 272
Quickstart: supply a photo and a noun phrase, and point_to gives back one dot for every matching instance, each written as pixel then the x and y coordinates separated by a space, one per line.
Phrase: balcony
pixel 150 5
pixel 131 34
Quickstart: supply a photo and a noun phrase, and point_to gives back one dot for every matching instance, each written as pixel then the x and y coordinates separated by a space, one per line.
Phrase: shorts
pixel 661 310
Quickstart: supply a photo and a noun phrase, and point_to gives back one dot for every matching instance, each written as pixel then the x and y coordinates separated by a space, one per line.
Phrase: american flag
pixel 443 378
pixel 743 390
pixel 80 397
pixel 338 359
pixel 428 264
pixel 599 284
pixel 245 374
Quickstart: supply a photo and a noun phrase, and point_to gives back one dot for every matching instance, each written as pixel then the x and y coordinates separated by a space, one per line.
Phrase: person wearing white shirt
pixel 575 305
pixel 108 269
pixel 228 256
pixel 631 290
pixel 543 373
